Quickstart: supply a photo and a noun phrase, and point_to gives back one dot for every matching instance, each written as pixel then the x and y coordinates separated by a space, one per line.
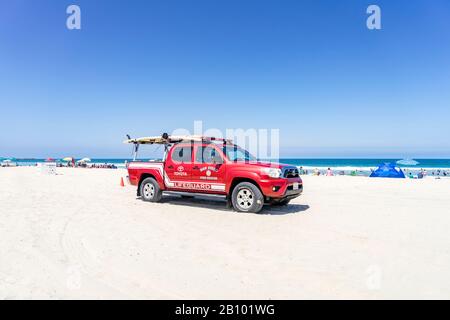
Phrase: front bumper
pixel 280 189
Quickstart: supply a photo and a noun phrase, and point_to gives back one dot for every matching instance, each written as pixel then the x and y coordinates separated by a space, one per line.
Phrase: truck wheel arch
pixel 142 178
pixel 238 180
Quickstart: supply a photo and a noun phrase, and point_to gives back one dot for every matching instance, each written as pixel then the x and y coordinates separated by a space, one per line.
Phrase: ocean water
pixel 366 163
pixel 336 164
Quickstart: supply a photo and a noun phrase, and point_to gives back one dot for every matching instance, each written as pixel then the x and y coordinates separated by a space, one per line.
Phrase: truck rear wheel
pixel 246 197
pixel 150 190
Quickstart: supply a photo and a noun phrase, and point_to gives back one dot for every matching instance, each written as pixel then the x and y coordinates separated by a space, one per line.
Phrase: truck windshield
pixel 235 153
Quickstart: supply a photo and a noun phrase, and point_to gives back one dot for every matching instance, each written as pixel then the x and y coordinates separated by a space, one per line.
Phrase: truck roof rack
pixel 166 139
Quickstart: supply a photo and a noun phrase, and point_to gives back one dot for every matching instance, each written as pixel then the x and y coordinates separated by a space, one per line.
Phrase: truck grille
pixel 290 172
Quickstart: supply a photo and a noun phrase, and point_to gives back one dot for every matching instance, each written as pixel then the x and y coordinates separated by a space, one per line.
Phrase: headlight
pixel 272 172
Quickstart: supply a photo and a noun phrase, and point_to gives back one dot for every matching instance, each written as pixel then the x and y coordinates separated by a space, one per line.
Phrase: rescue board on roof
pixel 169 139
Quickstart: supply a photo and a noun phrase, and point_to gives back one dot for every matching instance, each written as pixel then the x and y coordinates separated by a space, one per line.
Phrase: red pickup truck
pixel 194 165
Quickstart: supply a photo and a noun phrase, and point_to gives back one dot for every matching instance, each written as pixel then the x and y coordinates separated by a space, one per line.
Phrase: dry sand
pixel 80 235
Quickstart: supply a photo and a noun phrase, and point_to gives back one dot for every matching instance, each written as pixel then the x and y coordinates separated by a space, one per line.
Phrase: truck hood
pixel 265 164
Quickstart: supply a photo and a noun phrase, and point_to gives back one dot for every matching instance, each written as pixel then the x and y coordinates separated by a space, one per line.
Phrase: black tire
pixel 246 197
pixel 150 190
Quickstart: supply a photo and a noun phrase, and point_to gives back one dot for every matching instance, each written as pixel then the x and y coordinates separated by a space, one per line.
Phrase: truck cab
pixel 214 167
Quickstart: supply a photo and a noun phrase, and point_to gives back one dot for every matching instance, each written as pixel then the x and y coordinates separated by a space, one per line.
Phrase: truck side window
pixel 208 155
pixel 182 154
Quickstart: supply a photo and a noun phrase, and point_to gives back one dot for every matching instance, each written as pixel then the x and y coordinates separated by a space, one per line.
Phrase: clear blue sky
pixel 310 68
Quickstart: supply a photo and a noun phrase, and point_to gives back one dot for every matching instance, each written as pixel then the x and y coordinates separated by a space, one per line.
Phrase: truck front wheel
pixel 246 197
pixel 150 190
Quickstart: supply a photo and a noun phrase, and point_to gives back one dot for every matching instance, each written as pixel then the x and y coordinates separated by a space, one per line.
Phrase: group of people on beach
pixel 423 173
pixel 329 172
pixel 86 165
pixel 102 166
pixel 412 174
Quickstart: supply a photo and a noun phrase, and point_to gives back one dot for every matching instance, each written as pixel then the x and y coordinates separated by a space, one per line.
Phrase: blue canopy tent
pixel 387 170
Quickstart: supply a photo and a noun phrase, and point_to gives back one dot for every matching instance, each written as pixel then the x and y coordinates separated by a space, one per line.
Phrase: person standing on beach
pixel 329 172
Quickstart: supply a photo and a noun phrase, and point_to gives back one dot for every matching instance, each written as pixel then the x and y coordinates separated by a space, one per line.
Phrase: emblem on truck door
pixel 180 171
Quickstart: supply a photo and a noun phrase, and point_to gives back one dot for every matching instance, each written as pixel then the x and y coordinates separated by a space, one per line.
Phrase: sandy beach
pixel 80 235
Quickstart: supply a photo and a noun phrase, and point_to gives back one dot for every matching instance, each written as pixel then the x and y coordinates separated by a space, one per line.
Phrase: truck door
pixel 178 166
pixel 209 168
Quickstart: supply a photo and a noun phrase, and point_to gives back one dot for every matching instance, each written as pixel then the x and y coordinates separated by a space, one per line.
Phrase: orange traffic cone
pixel 122 184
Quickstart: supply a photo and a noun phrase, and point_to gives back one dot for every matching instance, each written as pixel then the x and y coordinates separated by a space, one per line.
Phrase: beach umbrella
pixel 68 159
pixel 408 162
pixel 85 160
pixel 50 160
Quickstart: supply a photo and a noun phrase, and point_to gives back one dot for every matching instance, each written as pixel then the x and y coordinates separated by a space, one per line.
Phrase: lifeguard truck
pixel 206 166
